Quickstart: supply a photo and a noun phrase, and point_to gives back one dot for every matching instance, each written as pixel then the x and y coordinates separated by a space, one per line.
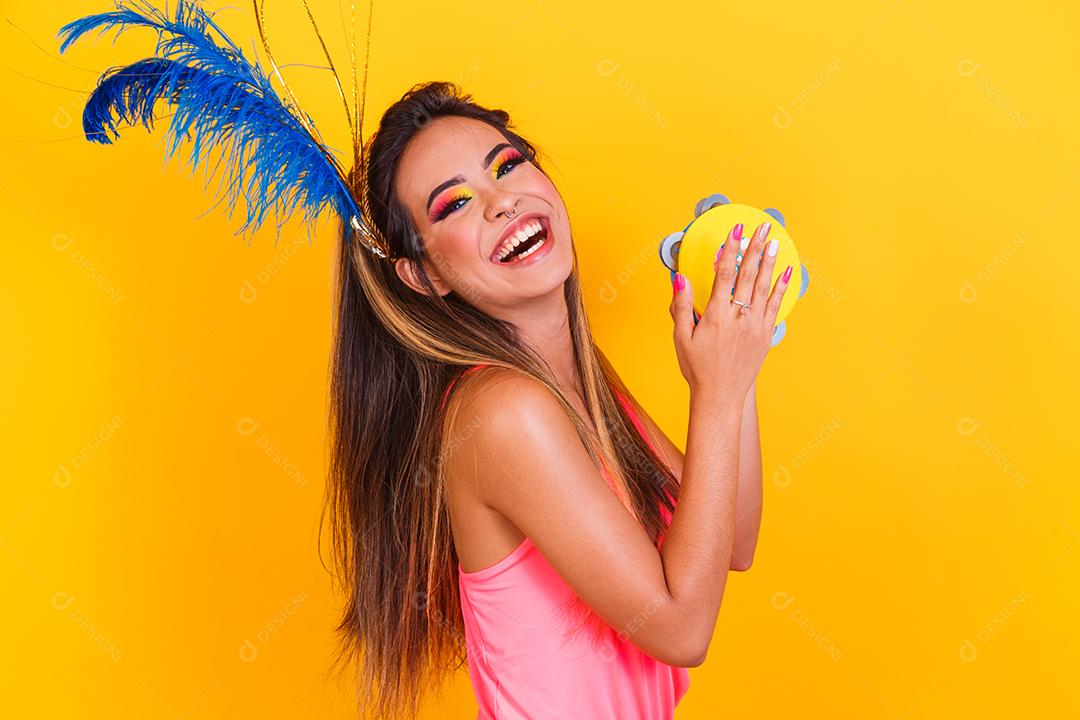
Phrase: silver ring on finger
pixel 743 307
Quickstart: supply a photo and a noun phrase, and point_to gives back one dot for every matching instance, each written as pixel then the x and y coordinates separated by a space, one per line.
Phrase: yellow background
pixel 164 383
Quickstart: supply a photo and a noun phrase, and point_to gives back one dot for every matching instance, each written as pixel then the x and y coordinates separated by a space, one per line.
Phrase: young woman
pixel 494 489
pixel 496 495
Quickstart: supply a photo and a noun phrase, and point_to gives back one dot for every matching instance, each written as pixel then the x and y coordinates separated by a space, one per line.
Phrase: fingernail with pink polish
pixel 787 274
pixel 737 232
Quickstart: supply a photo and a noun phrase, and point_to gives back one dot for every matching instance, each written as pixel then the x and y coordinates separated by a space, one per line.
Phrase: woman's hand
pixel 724 352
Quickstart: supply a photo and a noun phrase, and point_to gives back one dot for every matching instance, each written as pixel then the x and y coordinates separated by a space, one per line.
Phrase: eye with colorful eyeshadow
pixel 446 208
pixel 512 160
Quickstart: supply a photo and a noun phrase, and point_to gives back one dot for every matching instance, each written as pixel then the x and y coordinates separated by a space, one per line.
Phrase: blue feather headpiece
pixel 273 154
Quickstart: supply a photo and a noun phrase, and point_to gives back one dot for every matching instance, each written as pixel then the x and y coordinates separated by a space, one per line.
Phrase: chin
pixel 561 267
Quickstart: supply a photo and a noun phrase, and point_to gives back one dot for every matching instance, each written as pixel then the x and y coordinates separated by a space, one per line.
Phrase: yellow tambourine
pixel 692 251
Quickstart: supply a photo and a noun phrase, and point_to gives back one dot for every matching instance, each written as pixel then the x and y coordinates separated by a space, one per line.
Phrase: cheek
pixel 547 190
pixel 452 249
pixel 545 187
pixel 540 185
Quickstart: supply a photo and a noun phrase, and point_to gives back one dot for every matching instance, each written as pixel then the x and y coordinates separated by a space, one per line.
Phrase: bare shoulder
pixel 494 396
pixel 496 414
pixel 482 534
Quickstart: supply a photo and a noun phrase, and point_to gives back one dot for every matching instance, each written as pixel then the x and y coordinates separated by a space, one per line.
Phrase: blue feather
pixel 220 100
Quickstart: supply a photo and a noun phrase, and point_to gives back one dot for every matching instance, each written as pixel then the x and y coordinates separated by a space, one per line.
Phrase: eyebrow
pixel 458 179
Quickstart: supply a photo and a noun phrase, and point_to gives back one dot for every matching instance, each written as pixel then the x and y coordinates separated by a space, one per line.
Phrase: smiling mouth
pixel 528 246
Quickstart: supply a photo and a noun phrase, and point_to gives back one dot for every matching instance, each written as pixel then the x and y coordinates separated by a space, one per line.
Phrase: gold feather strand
pixel 297 109
pixel 367 47
pixel 333 70
pixel 361 151
pixel 369 236
pixel 360 100
pixel 351 43
pixel 260 23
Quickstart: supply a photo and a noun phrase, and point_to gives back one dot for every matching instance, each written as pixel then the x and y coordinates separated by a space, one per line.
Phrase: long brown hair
pixel 395 353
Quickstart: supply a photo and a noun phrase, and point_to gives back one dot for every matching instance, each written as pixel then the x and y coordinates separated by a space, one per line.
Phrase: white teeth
pixel 519 237
pixel 530 251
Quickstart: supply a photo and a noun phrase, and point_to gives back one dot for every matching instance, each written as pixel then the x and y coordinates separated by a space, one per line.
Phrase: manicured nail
pixel 765 227
pixel 679 283
pixel 737 232
pixel 787 274
pixel 743 243
pixel 773 245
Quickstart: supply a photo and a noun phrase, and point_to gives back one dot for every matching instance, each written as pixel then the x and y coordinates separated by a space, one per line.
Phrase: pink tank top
pixel 526 665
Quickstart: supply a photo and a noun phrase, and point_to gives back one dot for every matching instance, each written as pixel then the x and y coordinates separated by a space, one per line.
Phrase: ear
pixel 408 272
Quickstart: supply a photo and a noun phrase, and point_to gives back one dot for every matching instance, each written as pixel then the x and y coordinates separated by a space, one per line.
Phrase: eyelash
pixel 514 160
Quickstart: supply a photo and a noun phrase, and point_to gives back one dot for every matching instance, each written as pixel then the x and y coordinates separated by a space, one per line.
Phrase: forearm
pixel 697 549
pixel 748 504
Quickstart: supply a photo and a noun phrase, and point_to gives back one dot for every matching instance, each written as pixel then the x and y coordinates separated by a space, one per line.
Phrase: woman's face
pixel 460 180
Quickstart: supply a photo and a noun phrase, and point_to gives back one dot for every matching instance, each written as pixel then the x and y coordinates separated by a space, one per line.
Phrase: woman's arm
pixel 748 503
pixel 516 446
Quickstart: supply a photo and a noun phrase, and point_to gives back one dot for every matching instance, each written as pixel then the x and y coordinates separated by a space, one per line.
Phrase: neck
pixel 546 327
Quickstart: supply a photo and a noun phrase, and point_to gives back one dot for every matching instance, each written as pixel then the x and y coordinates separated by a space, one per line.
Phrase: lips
pixel 517 225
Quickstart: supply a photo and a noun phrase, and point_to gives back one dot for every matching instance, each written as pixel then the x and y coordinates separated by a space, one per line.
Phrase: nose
pixel 502 204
